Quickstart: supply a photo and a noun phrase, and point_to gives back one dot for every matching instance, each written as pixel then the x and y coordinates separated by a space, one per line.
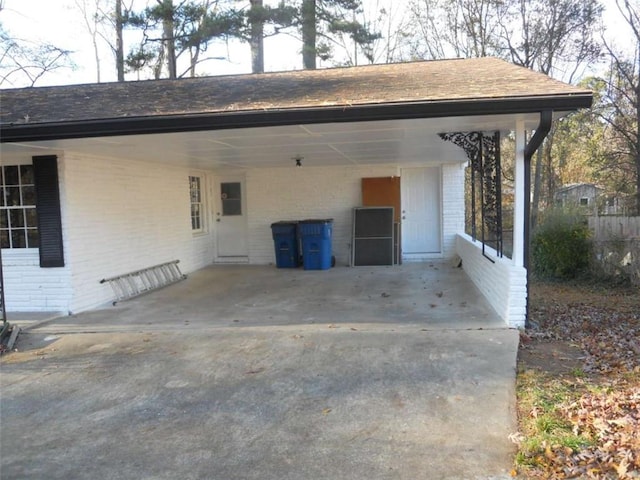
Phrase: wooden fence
pixel 614 227
pixel 616 246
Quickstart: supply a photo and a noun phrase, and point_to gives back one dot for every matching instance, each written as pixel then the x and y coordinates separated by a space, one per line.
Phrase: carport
pixel 123 162
pixel 244 370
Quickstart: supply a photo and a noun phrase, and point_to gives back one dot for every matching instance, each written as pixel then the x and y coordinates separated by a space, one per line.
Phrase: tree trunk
pixel 257 37
pixel 168 38
pixel 636 150
pixel 119 21
pixel 537 185
pixel 309 34
pixel 551 174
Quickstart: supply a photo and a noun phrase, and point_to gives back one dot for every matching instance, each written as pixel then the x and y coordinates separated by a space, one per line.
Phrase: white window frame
pixel 199 201
pixel 23 207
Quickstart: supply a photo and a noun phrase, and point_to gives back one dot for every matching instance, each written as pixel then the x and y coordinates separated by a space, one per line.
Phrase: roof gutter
pixel 26 132
pixel 544 126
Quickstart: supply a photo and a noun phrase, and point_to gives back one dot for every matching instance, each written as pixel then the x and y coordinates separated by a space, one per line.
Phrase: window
pixel 584 201
pixel 231 196
pixel 18 222
pixel 197 212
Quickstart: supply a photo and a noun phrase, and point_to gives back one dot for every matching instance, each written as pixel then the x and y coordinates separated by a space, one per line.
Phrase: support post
pixel 544 126
pixel 519 196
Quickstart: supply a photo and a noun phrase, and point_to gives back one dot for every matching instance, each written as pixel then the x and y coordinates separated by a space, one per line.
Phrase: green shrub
pixel 560 245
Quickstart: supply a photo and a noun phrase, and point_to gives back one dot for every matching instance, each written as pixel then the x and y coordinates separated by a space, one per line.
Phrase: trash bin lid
pixel 283 223
pixel 322 220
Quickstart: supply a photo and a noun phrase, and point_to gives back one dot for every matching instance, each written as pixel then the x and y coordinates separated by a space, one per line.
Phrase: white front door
pixel 421 218
pixel 231 219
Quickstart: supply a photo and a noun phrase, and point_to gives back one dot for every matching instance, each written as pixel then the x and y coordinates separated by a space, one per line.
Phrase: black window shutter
pixel 45 169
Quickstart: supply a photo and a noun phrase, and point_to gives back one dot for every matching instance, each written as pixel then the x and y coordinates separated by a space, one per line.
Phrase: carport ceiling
pixel 354 143
pixel 367 115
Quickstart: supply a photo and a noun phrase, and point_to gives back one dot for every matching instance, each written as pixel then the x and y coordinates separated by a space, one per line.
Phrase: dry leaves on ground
pixel 608 331
pixel 606 325
pixel 612 419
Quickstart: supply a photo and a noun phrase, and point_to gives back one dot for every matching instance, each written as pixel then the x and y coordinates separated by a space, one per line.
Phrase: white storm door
pixel 421 218
pixel 231 217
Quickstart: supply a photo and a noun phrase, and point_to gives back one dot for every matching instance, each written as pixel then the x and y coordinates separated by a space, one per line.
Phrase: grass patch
pixel 543 426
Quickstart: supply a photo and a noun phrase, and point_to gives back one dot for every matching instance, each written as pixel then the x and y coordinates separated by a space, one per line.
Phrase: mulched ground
pixel 589 335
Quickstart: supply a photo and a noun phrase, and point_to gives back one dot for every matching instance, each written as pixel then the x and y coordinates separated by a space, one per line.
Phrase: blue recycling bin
pixel 285 241
pixel 316 238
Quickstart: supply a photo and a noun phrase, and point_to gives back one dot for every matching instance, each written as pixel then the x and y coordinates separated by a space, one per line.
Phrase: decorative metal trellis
pixel 483 151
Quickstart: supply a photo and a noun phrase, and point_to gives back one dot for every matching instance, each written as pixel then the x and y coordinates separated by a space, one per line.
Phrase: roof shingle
pixel 481 79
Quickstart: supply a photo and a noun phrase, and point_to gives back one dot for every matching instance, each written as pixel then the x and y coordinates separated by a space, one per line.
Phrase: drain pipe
pixel 544 126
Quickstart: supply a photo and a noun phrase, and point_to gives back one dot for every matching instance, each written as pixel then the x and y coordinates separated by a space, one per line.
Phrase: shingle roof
pixel 426 82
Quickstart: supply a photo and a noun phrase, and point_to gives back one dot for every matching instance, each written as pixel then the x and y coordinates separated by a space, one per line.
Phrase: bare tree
pixel 558 38
pixel 25 62
pixel 622 101
pixel 385 25
pixel 456 28
pixel 92 20
pixel 555 37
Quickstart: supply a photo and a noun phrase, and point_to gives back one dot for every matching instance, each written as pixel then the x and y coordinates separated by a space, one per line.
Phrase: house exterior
pixel 103 179
pixel 578 195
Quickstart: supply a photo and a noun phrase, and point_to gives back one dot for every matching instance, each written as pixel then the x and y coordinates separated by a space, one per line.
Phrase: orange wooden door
pixel 382 192
pixel 385 192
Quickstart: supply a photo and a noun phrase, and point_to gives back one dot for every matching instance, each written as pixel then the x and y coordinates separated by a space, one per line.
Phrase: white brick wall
pixel 122 216
pixel 503 284
pixel 275 194
pixel 452 206
pixel 30 288
pixel 119 216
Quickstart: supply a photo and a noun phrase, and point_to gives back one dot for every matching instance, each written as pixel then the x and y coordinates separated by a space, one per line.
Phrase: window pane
pixel 16 217
pixel 11 175
pixel 26 174
pixel 28 195
pixel 231 196
pixel 18 239
pixel 231 207
pixel 231 191
pixel 4 238
pixel 13 196
pixel 32 219
pixel 194 185
pixel 1 176
pixel 3 219
pixel 2 193
pixel 195 217
pixel 33 239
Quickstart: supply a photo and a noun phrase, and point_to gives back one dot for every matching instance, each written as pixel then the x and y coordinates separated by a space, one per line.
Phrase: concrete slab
pixel 237 379
pixel 432 295
pixel 28 320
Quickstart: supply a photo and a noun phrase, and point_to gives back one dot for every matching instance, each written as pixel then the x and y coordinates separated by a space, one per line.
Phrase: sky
pixel 60 22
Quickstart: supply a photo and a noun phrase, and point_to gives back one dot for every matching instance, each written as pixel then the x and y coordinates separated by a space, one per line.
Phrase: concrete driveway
pixel 258 373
